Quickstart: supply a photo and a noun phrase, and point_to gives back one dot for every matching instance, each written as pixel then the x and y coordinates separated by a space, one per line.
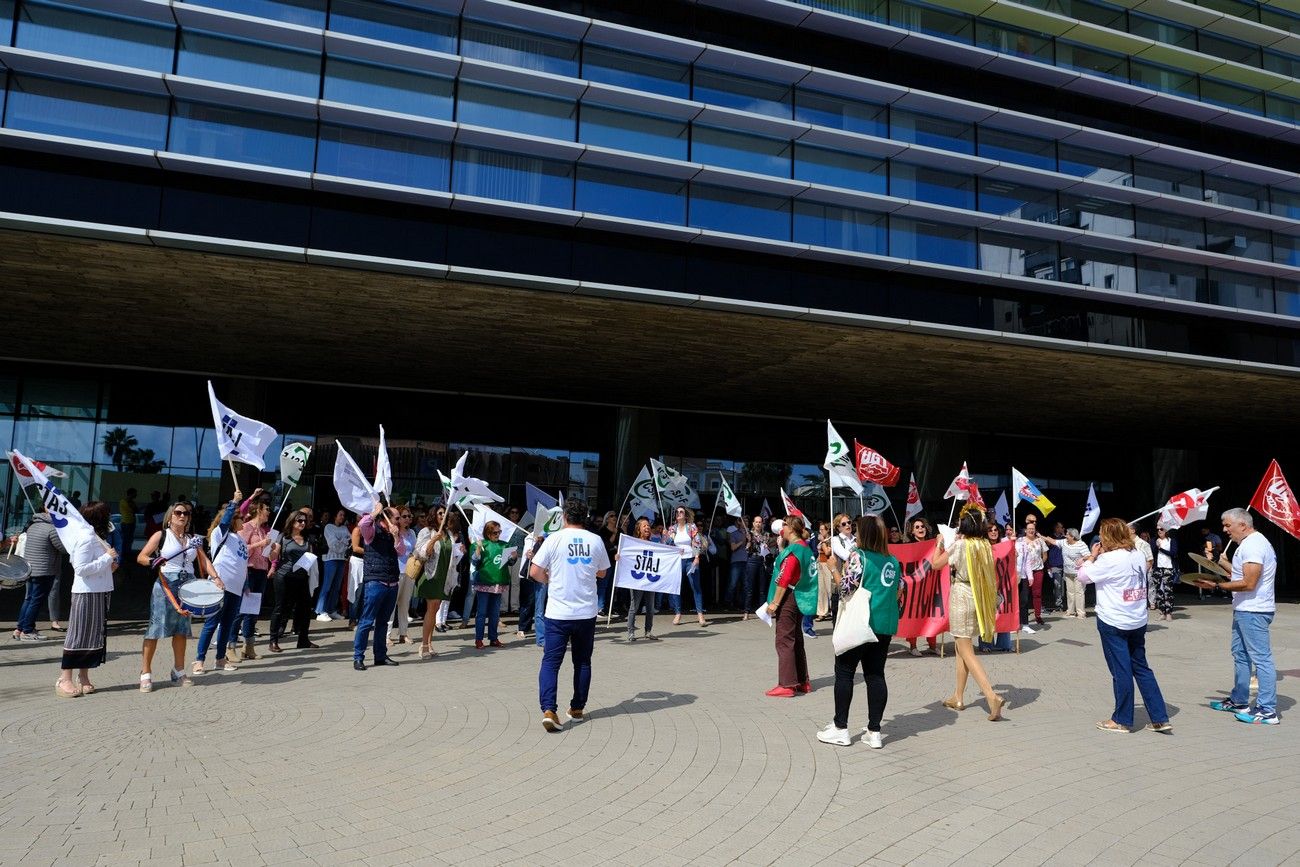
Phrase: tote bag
pixel 853 627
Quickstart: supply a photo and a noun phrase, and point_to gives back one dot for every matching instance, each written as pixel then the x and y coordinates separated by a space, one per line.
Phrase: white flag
pixel 1190 505
pixel 239 438
pixel 914 506
pixel 483 514
pixel 1091 512
pixel 352 486
pixel 383 469
pixel 839 462
pixel 649 566
pixel 1002 511
pixel 463 485
pixel 727 498
pixel 845 477
pixel 874 499
pixel 73 529
pixel 642 502
pixel 293 460
pixel 960 487
pixel 547 521
pixel 673 487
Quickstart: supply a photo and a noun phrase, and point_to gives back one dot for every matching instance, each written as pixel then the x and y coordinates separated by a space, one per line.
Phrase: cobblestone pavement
pixel 297 759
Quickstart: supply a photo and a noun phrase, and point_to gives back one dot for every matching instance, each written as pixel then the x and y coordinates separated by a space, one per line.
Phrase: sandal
pixel 87 688
pixel 1163 728
pixel 197 668
pixel 995 709
pixel 426 651
pixel 953 704
pixel 74 692
pixel 1111 726
pixel 146 683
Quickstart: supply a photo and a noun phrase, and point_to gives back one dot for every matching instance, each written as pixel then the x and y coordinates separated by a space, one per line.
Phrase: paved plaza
pixel 297 759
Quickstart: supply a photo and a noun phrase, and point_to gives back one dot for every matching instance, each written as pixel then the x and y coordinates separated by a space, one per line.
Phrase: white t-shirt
pixel 572 557
pixel 1255 549
pixel 231 561
pixel 1143 547
pixel 1121 580
pixel 1163 560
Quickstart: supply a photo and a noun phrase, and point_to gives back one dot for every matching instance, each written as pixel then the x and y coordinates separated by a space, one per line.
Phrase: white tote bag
pixel 853 626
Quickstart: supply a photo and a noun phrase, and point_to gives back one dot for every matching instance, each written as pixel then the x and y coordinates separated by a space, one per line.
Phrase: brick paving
pixel 297 759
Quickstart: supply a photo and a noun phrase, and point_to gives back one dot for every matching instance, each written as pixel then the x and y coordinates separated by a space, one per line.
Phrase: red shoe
pixel 478 645
pixel 807 687
pixel 497 644
pixel 780 692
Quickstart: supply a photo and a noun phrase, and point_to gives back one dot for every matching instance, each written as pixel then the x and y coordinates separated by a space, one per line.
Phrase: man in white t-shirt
pixel 568 563
pixel 1254 569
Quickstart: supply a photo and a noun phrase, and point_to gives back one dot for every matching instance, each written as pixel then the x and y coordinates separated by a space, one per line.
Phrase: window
pixel 1165 79
pixel 1247 291
pixel 929 19
pixel 92 36
pixel 1175 229
pixel 746 94
pixel 388 23
pixel 935 132
pixel 1286 249
pixel 249 64
pixel 63 108
pixel 61 398
pixel 1236 194
pixel 1162 178
pixel 513 178
pixel 1100 166
pixel 58 441
pixel 1288 299
pixel 932 242
pixel 1160 30
pixel 1091 60
pixel 932 185
pixel 1232 96
pixel 1237 240
pixel 739 212
pixel 1016 200
pixel 1281 108
pixel 1096 215
pixel 637 197
pixel 1012 40
pixel 224 133
pixel 734 150
pixel 839 169
pixel 841 228
pixel 516 110
pixel 309 13
pixel 1170 279
pixel 1014 147
pixel 636 71
pixel 1018 255
pixel 639 133
pixel 522 48
pixel 1228 49
pixel 840 112
pixel 1103 269
pixel 383 157
pixel 1283 64
pixel 1286 203
pixel 387 88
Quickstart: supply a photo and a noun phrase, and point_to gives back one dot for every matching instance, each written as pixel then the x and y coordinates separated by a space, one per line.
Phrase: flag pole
pixel 233 477
pixel 283 503
pixel 952 511
pixel 1148 515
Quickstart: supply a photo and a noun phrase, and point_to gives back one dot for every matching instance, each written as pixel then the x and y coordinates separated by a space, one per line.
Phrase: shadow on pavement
pixel 647 702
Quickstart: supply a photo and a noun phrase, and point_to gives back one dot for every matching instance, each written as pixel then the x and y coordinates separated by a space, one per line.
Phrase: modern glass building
pixel 1061 232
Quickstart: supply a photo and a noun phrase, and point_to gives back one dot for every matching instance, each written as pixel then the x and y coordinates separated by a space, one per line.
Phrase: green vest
pixel 805 592
pixel 880 575
pixel 491 570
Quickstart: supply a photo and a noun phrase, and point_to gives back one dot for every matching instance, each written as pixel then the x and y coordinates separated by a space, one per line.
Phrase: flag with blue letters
pixel 648 566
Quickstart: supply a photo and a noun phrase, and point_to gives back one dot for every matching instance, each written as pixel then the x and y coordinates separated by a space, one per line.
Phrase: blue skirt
pixel 164 620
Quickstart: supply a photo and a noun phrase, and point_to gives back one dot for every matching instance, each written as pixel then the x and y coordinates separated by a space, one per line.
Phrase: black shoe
pixel 388 660
pixel 442 628
pixel 358 665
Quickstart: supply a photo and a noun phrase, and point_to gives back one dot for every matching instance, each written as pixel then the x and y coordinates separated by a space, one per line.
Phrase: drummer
pixel 176 555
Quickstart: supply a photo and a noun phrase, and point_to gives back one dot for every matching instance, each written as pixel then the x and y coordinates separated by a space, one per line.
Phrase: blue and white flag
pixel 534 495
pixel 239 438
pixel 648 566
pixel 73 529
pixel 1002 511
pixel 383 469
pixel 1091 512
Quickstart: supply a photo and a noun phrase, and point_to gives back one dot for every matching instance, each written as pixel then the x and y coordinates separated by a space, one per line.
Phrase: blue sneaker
pixel 1230 706
pixel 1260 719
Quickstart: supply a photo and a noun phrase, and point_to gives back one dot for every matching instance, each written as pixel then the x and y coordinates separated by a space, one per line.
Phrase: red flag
pixel 40 465
pixel 790 507
pixel 914 506
pixel 960 487
pixel 973 491
pixel 1275 500
pixel 872 466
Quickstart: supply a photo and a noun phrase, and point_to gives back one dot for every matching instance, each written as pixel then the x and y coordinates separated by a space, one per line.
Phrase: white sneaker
pixel 915 651
pixel 832 735
pixel 323 618
pixel 874 740
pixel 1026 630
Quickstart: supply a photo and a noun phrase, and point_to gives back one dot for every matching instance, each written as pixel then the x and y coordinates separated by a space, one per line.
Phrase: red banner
pixel 872 466
pixel 1274 500
pixel 1004 566
pixel 923 604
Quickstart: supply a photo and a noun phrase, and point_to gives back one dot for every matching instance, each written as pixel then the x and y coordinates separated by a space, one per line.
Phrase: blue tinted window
pixel 521 48
pixel 639 133
pixel 740 213
pixel 841 228
pixel 1170 279
pixel 1286 249
pixel 389 23
pixel 840 112
pixel 931 242
pixel 746 94
pixel 1087 59
pixel 1013 40
pixel 513 178
pixel 734 150
pixel 1015 200
pixel 935 132
pixel 388 88
pixel 1287 298
pixel 249 64
pixel 309 13
pixel 383 157
pixel 1236 194
pixel 1107 168
pixel 243 136
pixel 1247 291
pixel 516 110
pixel 1238 240
pixel 80 111
pixel 1240 98
pixel 1018 256
pixel 932 185
pixel 1165 178
pixel 1103 269
pixel 1096 215
pixel 636 71
pixel 637 197
pixel 1014 147
pixel 1285 203
pixel 839 169
pixel 106 38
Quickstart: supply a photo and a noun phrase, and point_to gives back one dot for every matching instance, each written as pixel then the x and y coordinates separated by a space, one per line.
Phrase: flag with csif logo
pixel 644 565
pixel 1275 500
pixel 73 529
pixel 839 463
pixel 239 438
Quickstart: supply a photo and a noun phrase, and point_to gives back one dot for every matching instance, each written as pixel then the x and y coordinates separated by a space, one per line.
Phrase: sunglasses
pixel 845 524
pixel 300 520
pixel 181 513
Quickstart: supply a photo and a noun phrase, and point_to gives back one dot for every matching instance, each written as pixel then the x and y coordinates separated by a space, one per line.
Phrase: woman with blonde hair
pixel 686 537
pixel 442 554
pixel 972 604
pixel 1119 573
pixel 641 598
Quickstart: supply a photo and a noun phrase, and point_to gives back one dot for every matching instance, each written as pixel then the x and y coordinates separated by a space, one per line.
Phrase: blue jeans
pixel 489 610
pixel 328 600
pixel 126 535
pixel 693 575
pixel 527 595
pixel 1250 646
pixel 380 600
pixel 736 584
pixel 539 615
pixel 470 595
pixel 1126 657
pixel 38 587
pixel 641 599
pixel 753 584
pixel 559 634
pixel 1001 643
pixel 807 623
pixel 220 623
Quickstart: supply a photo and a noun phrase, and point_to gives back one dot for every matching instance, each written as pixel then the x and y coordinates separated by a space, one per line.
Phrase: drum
pixel 14 571
pixel 200 597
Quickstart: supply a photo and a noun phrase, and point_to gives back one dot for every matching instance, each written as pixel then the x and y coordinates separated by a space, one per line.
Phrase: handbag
pixel 414 567
pixel 853 627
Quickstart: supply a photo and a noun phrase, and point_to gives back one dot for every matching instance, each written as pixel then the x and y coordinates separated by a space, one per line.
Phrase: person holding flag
pixel 94 561
pixel 381 537
pixel 491 561
pixel 641 598
pixel 686 537
pixel 438 547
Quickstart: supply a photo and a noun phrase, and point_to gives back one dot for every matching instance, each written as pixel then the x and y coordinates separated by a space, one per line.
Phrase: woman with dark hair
pixel 871 568
pixel 93 563
pixel 230 557
pixel 793 591
pixel 1164 572
pixel 1003 642
pixel 338 544
pixel 292 584
pixel 178 557
pixel 491 559
pixel 442 554
pixel 921 530
pixel 756 553
pixel 972 606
